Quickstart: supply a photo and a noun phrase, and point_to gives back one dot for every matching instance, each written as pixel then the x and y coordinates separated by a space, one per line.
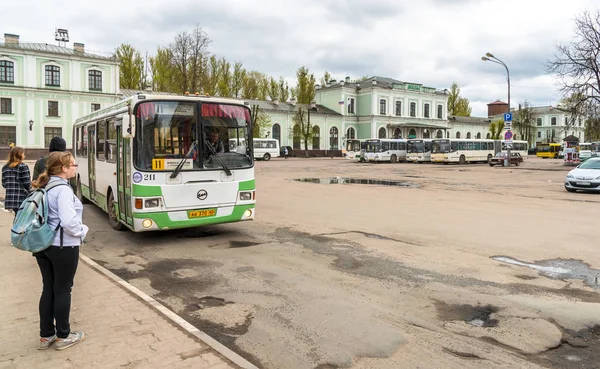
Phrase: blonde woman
pixel 15 179
pixel 58 263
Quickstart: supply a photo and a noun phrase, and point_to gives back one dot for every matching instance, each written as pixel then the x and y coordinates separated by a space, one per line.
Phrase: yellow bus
pixel 548 150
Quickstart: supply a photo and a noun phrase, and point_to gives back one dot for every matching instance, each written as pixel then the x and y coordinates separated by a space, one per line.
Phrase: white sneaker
pixel 72 339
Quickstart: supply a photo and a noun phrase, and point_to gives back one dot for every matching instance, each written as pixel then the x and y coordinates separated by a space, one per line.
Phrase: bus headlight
pixel 147 223
pixel 152 203
pixel 248 214
pixel 246 196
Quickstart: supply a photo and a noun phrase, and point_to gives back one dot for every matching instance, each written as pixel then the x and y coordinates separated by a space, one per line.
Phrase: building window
pixel 539 134
pixel 350 133
pixel 316 138
pixel 53 108
pixel 381 133
pixel 426 133
pixel 553 121
pixel 539 121
pixel 580 122
pixel 426 112
pixel 8 135
pixel 448 134
pixel 5 106
pixel 296 137
pixel 398 132
pixel 398 108
pixel 439 113
pixel 49 133
pixel 95 107
pixel 277 132
pixel 95 80
pixel 333 138
pixel 468 135
pixel 439 134
pixel 412 133
pixel 479 136
pixel 457 134
pixel 413 109
pixel 7 71
pixel 382 110
pixel 52 75
pixel 488 136
pixel 351 106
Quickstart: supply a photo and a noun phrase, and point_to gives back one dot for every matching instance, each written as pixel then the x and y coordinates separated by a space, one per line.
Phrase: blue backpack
pixel 30 230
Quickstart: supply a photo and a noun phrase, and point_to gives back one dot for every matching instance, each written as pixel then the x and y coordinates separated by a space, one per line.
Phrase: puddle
pixel 559 269
pixel 478 316
pixel 363 181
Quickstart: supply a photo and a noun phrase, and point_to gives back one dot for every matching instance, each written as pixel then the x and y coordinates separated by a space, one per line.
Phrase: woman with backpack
pixel 15 179
pixel 58 263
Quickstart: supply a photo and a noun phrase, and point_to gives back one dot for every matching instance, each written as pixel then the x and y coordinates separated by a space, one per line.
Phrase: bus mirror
pixel 128 127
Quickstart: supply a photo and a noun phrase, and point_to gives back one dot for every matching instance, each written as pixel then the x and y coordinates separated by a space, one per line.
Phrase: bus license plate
pixel 202 213
pixel 584 183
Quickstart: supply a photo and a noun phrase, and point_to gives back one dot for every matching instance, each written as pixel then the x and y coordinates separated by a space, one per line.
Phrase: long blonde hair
pixel 15 156
pixel 56 161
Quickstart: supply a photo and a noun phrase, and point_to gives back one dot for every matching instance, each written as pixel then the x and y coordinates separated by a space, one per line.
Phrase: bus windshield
pixel 441 146
pixel 373 146
pixel 169 131
pixel 416 146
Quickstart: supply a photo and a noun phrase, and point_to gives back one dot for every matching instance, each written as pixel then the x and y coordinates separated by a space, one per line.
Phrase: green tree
pixel 457 105
pixel 302 129
pixel 326 78
pixel 305 85
pixel 250 88
pixel 592 129
pixel 273 89
pixel 162 71
pixel 496 128
pixel 524 122
pixel 284 90
pixel 211 84
pixel 237 79
pixel 131 67
pixel 225 78
pixel 261 122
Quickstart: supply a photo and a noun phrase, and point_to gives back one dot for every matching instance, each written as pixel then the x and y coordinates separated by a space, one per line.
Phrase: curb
pixel 214 344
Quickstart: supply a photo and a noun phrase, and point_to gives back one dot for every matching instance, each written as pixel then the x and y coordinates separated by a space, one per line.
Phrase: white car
pixel 585 177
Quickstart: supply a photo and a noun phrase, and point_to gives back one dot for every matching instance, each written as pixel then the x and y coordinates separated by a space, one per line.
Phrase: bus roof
pixel 123 105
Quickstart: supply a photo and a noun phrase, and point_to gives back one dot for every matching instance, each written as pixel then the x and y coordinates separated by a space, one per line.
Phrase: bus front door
pixel 123 184
pixel 92 161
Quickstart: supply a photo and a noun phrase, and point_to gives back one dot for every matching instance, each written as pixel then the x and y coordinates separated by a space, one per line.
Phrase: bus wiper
pixel 215 157
pixel 180 165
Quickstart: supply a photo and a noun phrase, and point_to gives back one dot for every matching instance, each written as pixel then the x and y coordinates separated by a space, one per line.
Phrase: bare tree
pixel 577 64
pixel 199 42
pixel 181 50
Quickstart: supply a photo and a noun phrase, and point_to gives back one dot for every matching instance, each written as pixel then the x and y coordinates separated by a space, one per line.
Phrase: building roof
pixel 497 102
pixel 468 120
pixel 54 49
pixel 376 81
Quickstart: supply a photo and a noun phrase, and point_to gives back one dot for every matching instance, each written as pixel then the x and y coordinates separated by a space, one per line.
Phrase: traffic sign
pixel 508 117
pixel 508 135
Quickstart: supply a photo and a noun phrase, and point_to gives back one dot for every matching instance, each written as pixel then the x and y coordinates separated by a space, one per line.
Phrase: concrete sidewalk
pixel 122 330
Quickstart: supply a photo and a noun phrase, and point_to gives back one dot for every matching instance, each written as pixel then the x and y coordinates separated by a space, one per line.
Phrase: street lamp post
pixel 493 59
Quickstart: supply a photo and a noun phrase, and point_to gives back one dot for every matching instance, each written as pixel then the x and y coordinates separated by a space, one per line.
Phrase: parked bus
pixel 266 148
pixel 353 149
pixel 462 151
pixel 518 146
pixel 155 162
pixel 548 150
pixel 382 149
pixel 585 150
pixel 419 151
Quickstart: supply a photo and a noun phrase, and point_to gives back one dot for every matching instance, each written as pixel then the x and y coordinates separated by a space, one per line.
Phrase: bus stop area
pixel 346 265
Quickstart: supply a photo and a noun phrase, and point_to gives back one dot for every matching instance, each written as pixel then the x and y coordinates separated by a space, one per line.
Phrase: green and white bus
pixel 153 162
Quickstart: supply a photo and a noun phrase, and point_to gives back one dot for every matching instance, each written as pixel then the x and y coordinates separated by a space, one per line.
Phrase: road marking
pixel 216 345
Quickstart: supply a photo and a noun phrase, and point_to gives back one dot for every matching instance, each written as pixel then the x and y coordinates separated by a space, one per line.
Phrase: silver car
pixel 585 177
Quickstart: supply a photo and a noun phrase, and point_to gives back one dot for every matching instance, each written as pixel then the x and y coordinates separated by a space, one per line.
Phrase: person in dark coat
pixel 56 144
pixel 15 179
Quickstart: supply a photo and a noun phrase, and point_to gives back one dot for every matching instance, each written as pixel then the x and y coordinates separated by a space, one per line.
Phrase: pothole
pixel 559 269
pixel 362 181
pixel 477 316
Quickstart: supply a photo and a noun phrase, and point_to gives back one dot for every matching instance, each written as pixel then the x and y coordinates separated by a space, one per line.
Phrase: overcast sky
pixel 433 42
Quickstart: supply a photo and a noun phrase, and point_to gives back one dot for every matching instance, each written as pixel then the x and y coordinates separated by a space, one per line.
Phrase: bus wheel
pixel 393 159
pixel 267 157
pixel 80 193
pixel 555 156
pixel 462 160
pixel 113 217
